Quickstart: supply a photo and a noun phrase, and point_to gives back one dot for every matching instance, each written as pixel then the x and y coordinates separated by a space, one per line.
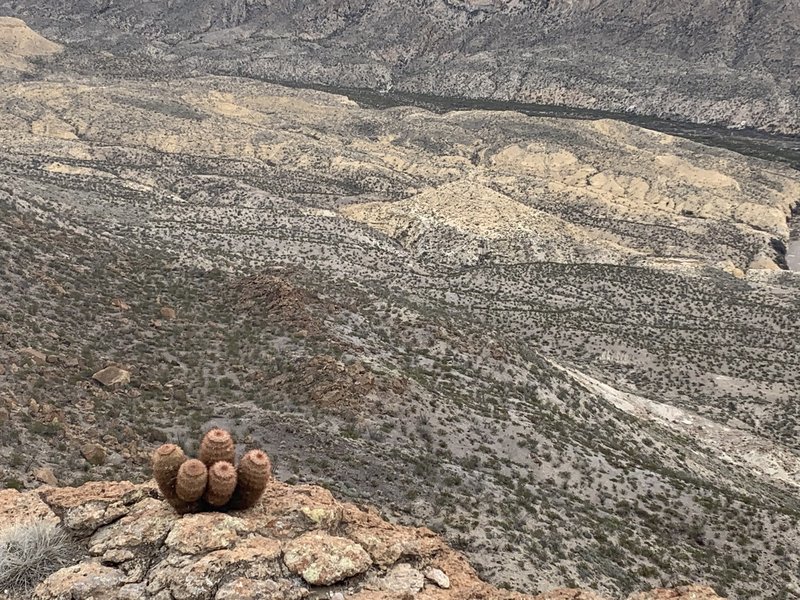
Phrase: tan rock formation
pixel 562 190
pixel 112 375
pixel 19 42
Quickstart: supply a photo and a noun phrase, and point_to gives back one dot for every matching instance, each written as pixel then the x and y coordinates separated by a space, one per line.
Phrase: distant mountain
pixel 734 62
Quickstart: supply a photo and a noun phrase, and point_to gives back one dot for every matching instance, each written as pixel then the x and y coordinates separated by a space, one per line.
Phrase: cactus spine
pixel 192 479
pixel 217 445
pixel 221 484
pixel 167 460
pixel 255 470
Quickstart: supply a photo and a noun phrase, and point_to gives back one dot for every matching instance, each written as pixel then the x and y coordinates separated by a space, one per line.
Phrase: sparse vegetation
pixel 30 551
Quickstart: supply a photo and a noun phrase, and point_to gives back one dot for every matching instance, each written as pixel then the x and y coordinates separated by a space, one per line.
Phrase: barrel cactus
pixel 217 445
pixel 166 462
pixel 212 481
pixel 221 484
pixel 255 470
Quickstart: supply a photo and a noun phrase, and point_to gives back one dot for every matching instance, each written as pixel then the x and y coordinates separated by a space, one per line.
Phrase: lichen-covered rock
pixel 291 511
pixel 204 532
pixel 144 527
pixel 84 509
pixel 322 559
pixel 244 588
pixel 257 558
pixel 85 581
pixel 403 579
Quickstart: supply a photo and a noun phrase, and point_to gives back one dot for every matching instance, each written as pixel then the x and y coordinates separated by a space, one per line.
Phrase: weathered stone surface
pixel 34 356
pixel 60 499
pixel 145 525
pixel 17 508
pixel 85 581
pixel 322 559
pixel 403 579
pixel 45 475
pixel 569 594
pixel 92 505
pixel 255 589
pixel 167 312
pixel 290 512
pixel 94 454
pixel 204 532
pixel 438 577
pixel 112 375
pixel 256 558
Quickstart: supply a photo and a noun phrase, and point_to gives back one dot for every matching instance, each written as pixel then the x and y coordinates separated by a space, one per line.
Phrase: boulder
pixel 112 375
pixel 322 559
pixel 94 454
pixel 45 475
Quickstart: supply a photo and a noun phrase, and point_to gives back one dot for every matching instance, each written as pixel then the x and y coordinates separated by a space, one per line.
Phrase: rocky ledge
pixel 299 542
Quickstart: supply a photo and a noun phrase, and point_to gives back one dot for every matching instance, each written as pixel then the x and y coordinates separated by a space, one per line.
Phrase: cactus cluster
pixel 211 481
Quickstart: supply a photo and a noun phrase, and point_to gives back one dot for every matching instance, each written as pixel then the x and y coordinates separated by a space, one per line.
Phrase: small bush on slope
pixel 29 552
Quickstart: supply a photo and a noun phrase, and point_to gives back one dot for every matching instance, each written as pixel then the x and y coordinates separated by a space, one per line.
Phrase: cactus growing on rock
pixel 217 445
pixel 211 481
pixel 255 470
pixel 221 484
pixel 192 479
pixel 167 460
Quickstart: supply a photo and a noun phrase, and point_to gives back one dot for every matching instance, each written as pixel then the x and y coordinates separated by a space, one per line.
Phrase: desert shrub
pixel 29 552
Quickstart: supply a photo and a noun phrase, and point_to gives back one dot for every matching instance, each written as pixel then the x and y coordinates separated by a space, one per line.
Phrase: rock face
pixel 298 540
pixel 731 61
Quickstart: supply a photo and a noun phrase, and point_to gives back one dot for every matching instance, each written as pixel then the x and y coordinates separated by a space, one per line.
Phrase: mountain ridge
pixel 731 62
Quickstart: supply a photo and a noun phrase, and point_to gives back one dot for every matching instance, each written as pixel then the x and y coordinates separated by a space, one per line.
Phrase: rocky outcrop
pixel 293 545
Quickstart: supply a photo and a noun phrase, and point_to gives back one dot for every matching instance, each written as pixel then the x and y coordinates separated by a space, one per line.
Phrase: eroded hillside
pixel 566 345
pixel 727 61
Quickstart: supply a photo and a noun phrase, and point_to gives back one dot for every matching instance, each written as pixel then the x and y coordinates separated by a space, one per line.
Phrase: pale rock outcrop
pixel 18 42
pixel 112 375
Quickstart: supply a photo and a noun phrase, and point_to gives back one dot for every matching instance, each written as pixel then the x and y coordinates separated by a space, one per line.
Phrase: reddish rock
pixel 94 454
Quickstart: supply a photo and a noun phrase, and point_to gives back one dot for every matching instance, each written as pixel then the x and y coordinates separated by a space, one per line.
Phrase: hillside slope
pixel 564 416
pixel 727 61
